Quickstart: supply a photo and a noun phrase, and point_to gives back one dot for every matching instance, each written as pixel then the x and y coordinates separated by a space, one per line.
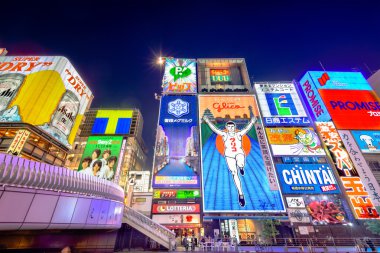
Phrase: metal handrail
pixel 21 172
pixel 156 228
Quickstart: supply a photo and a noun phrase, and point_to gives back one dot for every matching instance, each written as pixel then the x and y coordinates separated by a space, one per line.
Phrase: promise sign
pixel 358 197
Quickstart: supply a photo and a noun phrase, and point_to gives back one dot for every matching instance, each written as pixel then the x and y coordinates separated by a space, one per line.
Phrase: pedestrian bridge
pixel 39 196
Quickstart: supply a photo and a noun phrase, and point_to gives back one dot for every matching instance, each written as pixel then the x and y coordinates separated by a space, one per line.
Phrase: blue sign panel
pixel 368 141
pixel 307 179
pixel 317 108
pixel 281 105
pixel 176 161
pixel 339 80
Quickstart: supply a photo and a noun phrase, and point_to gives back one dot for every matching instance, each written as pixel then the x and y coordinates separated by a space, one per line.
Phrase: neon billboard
pixel 176 160
pixel 358 197
pixel 180 76
pixel 280 105
pixel 368 141
pixel 232 162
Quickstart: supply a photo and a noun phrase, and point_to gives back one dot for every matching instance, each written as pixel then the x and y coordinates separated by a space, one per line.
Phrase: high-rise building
pixel 123 123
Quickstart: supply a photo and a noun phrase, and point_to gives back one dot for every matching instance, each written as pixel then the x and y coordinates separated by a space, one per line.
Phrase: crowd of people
pixel 207 243
pixel 99 167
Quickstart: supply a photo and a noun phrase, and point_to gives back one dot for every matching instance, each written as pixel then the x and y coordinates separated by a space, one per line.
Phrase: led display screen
pixel 176 161
pixel 306 179
pixel 326 209
pixel 280 105
pixel 176 194
pixel 294 141
pixel 180 76
pixel 101 156
pixel 231 149
pixel 359 199
pixel 43 91
pixel 352 109
pixel 112 122
pixel 368 141
pixel 222 76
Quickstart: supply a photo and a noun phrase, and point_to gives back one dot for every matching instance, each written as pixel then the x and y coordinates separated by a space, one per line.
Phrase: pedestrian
pixel 193 243
pixel 185 243
pixel 370 244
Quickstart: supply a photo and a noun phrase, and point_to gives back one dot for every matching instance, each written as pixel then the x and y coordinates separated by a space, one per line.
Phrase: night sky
pixel 114 45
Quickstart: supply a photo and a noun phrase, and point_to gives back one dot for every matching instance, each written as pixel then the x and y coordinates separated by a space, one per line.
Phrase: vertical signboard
pixel 359 199
pixel 233 171
pixel 361 165
pixel 180 76
pixel 280 105
pixel 100 156
pixel 18 142
pixel 43 91
pixel 176 160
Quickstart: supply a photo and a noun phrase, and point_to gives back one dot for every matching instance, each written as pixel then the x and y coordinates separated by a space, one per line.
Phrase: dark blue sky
pixel 113 44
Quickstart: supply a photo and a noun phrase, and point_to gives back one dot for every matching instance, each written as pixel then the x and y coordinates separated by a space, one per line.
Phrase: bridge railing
pixel 21 172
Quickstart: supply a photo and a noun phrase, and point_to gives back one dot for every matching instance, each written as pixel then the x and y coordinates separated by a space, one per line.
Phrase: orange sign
pixel 219 72
pixel 358 197
pixel 18 142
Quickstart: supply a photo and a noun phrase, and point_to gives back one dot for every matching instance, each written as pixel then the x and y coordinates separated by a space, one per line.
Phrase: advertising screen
pixel 176 194
pixel 100 156
pixel 177 218
pixel 294 141
pixel 234 176
pixel 339 80
pixel 297 215
pixel 175 208
pixel 220 76
pixel 180 76
pixel 359 199
pixel 280 105
pixel 112 122
pixel 316 107
pixel 43 91
pixel 295 202
pixel 306 179
pixel 176 161
pixel 352 109
pixel 326 209
pixel 368 141
pixel 360 163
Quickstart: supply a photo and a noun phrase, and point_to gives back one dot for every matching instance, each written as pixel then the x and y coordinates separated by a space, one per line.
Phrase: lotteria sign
pixel 307 179
pixel 176 208
pixel 358 197
pixel 352 109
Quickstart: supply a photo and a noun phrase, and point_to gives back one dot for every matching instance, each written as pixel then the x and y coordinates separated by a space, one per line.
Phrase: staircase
pixel 154 230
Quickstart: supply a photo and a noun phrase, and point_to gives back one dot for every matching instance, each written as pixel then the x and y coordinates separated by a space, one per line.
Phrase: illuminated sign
pixel 180 76
pixel 176 161
pixel 359 199
pixel 281 105
pixel 100 156
pixel 43 91
pixel 294 141
pixel 326 210
pixel 339 80
pixel 303 159
pixel 176 208
pixel 353 109
pixel 368 141
pixel 306 179
pixel 220 75
pixel 316 106
pixel 230 145
pixel 112 122
pixel 298 215
pixel 18 142
pixel 295 202
pixel 176 194
pixel 365 173
pixel 177 218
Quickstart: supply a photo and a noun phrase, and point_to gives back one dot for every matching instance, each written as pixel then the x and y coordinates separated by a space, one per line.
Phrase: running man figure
pixel 233 150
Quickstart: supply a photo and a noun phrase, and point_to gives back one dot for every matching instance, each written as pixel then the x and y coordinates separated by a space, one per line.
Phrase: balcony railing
pixel 21 172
